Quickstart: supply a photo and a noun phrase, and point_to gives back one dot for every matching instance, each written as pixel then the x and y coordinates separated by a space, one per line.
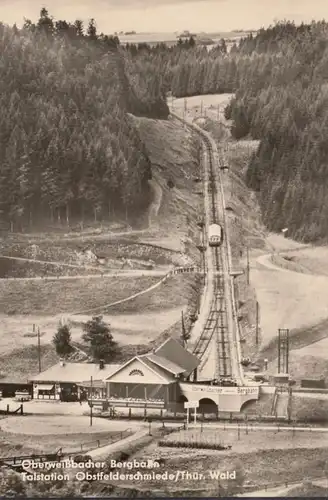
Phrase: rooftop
pixel 171 350
pixel 75 372
pixel 164 363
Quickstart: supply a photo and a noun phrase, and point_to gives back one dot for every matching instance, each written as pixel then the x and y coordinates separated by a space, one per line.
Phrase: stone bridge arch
pixel 248 403
pixel 207 406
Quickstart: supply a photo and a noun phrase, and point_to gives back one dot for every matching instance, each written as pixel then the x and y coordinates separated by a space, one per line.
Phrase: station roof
pixel 75 372
pixel 164 363
pixel 170 357
pixel 171 350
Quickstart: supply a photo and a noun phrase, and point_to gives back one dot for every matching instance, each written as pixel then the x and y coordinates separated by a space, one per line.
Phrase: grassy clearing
pixel 46 434
pixel 261 467
pixel 177 291
pixel 309 409
pixel 54 297
pixel 255 440
pixel 21 363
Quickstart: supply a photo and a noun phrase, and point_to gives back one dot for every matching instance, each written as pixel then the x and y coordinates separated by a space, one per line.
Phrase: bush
pixel 198 445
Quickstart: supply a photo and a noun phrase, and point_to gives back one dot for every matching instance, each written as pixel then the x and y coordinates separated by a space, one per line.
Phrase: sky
pixel 169 15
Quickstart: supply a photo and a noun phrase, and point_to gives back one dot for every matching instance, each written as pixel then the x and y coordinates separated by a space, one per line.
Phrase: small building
pixel 9 389
pixel 311 383
pixel 152 378
pixel 71 381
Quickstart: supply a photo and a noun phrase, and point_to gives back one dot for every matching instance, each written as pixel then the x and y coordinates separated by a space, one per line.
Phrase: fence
pixel 98 443
pixel 18 411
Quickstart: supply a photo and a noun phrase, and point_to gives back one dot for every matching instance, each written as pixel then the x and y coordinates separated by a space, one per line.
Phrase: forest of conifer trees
pixel 279 78
pixel 70 151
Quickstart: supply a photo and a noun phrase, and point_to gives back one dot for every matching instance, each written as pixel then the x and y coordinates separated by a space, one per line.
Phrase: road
pixel 217 329
pixel 98 274
pixel 137 273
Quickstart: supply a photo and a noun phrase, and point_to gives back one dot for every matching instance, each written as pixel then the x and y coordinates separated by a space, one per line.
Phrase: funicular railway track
pixel 220 330
pixel 216 328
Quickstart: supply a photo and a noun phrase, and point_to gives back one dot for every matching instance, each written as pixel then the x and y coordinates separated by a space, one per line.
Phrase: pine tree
pixel 97 335
pixel 62 340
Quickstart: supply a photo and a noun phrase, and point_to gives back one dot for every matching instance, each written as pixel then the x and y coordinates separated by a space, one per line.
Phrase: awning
pixel 45 387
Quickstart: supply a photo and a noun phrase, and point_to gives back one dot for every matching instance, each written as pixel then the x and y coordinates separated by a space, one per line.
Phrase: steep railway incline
pixel 217 328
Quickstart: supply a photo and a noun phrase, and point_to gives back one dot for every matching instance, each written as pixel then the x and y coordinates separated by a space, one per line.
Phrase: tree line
pixel 71 151
pixel 69 148
pixel 279 78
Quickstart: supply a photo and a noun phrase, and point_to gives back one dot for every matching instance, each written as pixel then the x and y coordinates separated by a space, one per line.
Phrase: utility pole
pixel 185 111
pixel 283 350
pixel 90 403
pixel 257 323
pixel 201 108
pixel 39 350
pixel 183 330
pixel 247 274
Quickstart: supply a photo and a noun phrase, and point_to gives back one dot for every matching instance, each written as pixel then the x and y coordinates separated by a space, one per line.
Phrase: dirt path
pixel 106 306
pixel 137 273
pixel 156 203
pixel 265 260
pixel 105 451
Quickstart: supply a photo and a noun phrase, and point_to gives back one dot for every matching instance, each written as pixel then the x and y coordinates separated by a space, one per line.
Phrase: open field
pixel 133 332
pixel 311 260
pixel 254 441
pixel 171 38
pixel 126 328
pixel 45 434
pixel 259 467
pixel 212 104
pixel 307 408
pixel 177 291
pixel 51 297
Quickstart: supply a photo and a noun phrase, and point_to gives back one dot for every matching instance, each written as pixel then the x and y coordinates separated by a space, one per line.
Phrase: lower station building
pixel 162 378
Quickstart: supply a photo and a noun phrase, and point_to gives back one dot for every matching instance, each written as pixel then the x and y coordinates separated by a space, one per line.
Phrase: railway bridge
pixel 227 399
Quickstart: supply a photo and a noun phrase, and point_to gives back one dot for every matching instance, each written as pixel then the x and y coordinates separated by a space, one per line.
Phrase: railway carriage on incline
pixel 215 235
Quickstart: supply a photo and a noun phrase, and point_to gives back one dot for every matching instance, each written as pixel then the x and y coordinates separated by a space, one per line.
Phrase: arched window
pixel 136 372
